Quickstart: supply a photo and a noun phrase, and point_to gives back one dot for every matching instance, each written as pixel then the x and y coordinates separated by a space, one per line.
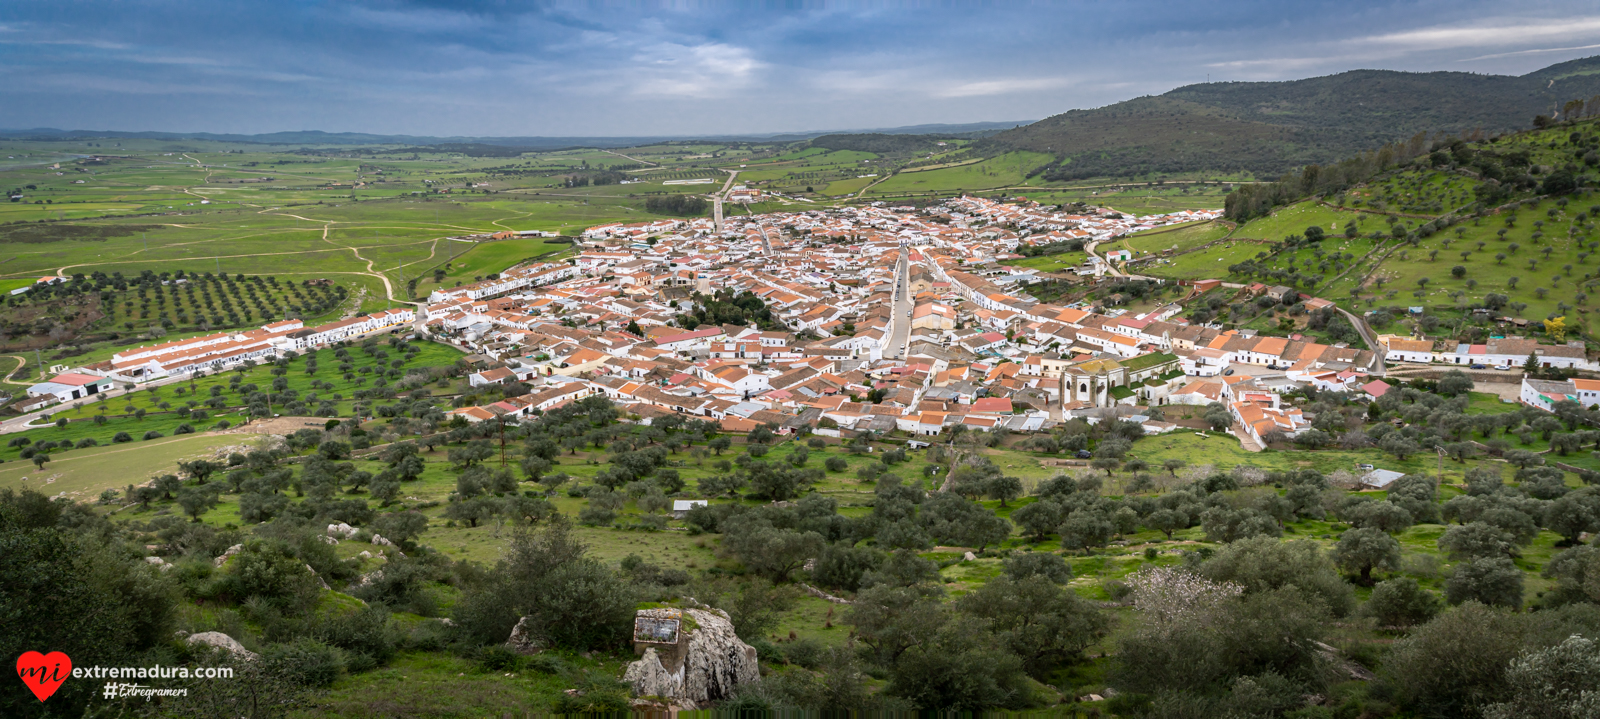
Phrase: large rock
pixel 689 656
pixel 650 678
pixel 223 642
pixel 523 639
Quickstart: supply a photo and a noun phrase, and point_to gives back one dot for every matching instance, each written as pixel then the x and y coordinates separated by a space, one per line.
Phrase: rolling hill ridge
pixel 1267 128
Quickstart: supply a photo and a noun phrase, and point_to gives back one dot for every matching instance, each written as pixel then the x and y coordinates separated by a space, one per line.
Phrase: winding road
pixel 1089 248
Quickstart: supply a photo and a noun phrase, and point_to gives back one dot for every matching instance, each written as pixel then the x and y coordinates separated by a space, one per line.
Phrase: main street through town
pixel 900 321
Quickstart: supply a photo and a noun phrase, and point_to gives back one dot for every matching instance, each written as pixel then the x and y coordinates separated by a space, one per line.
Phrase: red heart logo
pixel 44 673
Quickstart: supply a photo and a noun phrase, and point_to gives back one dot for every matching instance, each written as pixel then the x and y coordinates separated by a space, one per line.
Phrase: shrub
pixel 1455 662
pixel 1045 564
pixel 1401 603
pixel 153 434
pixel 596 516
pixel 570 600
pixel 267 570
pixel 306 662
pixel 499 658
pixel 836 464
pixel 1264 564
pixel 121 437
pixel 366 635
pixel 1493 581
pixel 841 567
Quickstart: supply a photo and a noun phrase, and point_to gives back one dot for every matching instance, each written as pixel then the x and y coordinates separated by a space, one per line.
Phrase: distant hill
pixel 1270 127
pixel 878 142
pixel 317 137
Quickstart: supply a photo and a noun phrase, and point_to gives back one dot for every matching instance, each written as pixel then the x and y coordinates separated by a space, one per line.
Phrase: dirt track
pixel 277 425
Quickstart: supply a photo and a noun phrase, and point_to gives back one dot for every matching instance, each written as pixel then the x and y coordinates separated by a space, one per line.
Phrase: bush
pixel 366 635
pixel 1045 564
pixel 1401 603
pixel 841 566
pixel 121 437
pixel 571 601
pixel 306 662
pixel 1455 662
pixel 402 585
pixel 152 434
pixel 836 464
pixel 1562 681
pixel 499 658
pixel 1267 631
pixel 1493 581
pixel 963 668
pixel 805 652
pixel 596 516
pixel 1263 564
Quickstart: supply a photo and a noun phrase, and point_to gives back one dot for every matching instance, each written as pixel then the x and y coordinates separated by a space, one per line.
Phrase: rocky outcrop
pixel 235 549
pixel 649 678
pixel 320 580
pixel 689 656
pixel 223 642
pixel 818 593
pixel 342 530
pixel 524 639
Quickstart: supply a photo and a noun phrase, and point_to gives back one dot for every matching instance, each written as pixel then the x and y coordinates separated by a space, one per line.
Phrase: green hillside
pixel 1436 232
pixel 1270 127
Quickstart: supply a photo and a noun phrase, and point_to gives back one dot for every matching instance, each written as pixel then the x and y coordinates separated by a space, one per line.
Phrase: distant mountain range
pixel 1270 127
pixel 1265 128
pixel 317 137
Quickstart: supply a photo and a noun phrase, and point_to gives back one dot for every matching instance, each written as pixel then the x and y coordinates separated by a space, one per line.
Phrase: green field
pixel 330 392
pixel 1008 170
pixel 1059 262
pixel 1294 219
pixel 1213 263
pixel 1181 239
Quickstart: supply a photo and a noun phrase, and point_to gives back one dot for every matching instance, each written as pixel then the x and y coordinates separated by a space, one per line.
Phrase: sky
pixel 487 68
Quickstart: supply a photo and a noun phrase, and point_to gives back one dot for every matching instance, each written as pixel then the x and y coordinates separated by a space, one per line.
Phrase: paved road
pixel 1377 369
pixel 716 200
pixel 1110 268
pixel 899 321
pixel 766 242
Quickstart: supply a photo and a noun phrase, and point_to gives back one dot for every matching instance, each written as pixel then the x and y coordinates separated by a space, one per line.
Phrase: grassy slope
pixel 1007 170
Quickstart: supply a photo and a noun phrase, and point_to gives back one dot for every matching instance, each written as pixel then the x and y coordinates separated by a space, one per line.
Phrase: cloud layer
pixel 603 68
